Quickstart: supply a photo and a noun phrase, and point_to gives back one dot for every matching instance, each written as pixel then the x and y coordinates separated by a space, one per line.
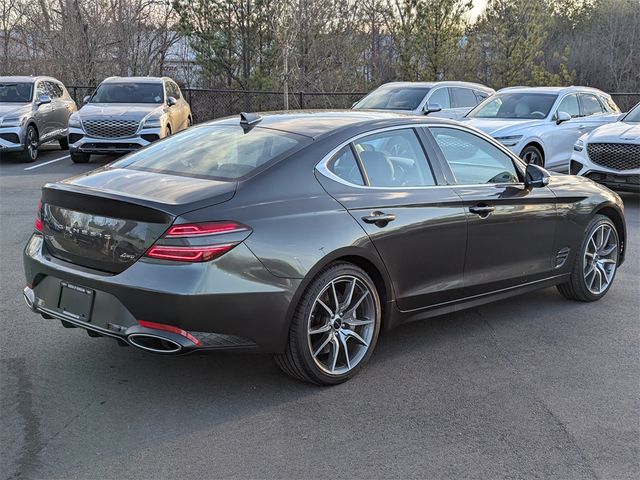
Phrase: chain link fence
pixel 207 104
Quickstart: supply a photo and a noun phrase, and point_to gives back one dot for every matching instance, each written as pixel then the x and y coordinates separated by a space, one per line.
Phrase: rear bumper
pixel 230 303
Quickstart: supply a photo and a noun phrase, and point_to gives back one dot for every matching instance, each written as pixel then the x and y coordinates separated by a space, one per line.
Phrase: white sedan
pixel 542 124
pixel 611 154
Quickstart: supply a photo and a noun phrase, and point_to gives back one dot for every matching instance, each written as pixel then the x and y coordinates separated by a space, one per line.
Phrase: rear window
pixel 215 152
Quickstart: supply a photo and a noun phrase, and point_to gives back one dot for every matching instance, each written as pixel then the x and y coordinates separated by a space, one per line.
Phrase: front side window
pixel 441 97
pixel 515 105
pixel 463 97
pixel 13 92
pixel 569 104
pixel 393 98
pixel 123 92
pixel 472 159
pixel 590 105
pixel 394 159
pixel 217 152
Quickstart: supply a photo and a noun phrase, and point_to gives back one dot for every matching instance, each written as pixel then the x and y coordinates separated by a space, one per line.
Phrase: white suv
pixel 542 124
pixel 611 154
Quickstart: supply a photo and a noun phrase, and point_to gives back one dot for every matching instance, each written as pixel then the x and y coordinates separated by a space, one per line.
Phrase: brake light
pixel 38 223
pixel 204 229
pixel 170 328
pixel 189 254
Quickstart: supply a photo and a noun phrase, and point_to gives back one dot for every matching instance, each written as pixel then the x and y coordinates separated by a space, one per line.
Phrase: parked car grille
pixel 110 128
pixel 616 156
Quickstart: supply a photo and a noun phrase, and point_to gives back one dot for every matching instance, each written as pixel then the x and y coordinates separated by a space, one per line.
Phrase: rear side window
pixel 481 96
pixel 394 159
pixel 345 166
pixel 473 160
pixel 216 152
pixel 463 97
pixel 611 104
pixel 590 105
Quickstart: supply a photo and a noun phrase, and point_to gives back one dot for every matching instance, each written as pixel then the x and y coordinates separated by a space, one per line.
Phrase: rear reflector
pixel 169 328
pixel 189 254
pixel 38 223
pixel 203 229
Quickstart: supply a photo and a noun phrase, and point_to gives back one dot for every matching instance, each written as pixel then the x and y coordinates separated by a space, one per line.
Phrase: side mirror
pixel 535 176
pixel 86 99
pixel 431 107
pixel 562 117
pixel 43 100
pixel 171 101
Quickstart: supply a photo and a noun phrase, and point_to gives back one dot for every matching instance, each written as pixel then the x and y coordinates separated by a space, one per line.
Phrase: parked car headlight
pixel 153 122
pixel 510 140
pixel 74 121
pixel 14 121
pixel 578 146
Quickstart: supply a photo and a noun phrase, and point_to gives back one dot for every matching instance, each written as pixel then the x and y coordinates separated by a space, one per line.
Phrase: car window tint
pixel 463 97
pixel 590 105
pixel 472 159
pixel 569 104
pixel 441 97
pixel 525 105
pixel 480 96
pixel 393 98
pixel 345 166
pixel 219 152
pixel 394 159
pixel 176 91
pixel 611 104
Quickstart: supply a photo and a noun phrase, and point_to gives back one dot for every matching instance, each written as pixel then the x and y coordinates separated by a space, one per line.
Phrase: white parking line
pixel 47 163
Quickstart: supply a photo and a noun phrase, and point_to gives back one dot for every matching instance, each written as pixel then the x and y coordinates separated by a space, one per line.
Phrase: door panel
pixel 511 245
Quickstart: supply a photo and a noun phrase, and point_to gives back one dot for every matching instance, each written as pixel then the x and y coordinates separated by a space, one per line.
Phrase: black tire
pixel 297 360
pixel 64 143
pixel 576 287
pixel 168 131
pixel 532 154
pixel 30 152
pixel 79 157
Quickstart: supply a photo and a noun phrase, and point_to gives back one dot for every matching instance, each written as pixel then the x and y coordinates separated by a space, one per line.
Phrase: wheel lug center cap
pixel 337 324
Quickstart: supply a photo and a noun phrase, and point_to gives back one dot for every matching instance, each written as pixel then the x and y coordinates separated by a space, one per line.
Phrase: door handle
pixel 380 219
pixel 482 210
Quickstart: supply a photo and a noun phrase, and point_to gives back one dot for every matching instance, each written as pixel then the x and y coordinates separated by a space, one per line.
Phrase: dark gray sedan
pixel 306 234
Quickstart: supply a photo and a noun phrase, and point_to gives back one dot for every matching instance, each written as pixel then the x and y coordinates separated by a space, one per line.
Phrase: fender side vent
pixel 561 256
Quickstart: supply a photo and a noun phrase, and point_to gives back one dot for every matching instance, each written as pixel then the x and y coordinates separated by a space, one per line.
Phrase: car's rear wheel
pixel 64 143
pixel 30 152
pixel 596 263
pixel 79 157
pixel 532 154
pixel 335 327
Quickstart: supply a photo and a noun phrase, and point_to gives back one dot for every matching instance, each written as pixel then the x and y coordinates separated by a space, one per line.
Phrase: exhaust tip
pixel 154 343
pixel 29 297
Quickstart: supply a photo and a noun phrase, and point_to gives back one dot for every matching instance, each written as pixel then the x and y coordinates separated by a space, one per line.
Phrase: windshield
pixel 128 93
pixel 16 92
pixel 393 98
pixel 515 105
pixel 633 116
pixel 216 152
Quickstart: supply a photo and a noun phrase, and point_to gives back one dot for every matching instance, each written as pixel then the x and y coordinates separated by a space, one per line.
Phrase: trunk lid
pixel 108 219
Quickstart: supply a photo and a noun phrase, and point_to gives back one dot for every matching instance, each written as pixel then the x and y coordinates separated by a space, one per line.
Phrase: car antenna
pixel 249 120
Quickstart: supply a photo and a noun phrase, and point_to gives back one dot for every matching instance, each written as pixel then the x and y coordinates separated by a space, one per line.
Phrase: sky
pixel 478 7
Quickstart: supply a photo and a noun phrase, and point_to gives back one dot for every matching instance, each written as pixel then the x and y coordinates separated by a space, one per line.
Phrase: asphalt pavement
pixel 531 387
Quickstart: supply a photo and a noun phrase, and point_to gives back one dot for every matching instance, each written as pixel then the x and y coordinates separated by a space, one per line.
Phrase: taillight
pixel 204 229
pixel 198 242
pixel 38 223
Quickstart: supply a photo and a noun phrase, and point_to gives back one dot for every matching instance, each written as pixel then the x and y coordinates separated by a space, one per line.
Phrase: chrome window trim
pixel 323 168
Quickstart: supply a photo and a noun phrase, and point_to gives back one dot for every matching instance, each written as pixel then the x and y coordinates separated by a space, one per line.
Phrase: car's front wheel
pixel 335 326
pixel 596 262
pixel 79 157
pixel 532 154
pixel 30 152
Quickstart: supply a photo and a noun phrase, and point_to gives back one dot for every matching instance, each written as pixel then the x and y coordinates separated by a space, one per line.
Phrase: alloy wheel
pixel 600 259
pixel 532 156
pixel 341 325
pixel 32 144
